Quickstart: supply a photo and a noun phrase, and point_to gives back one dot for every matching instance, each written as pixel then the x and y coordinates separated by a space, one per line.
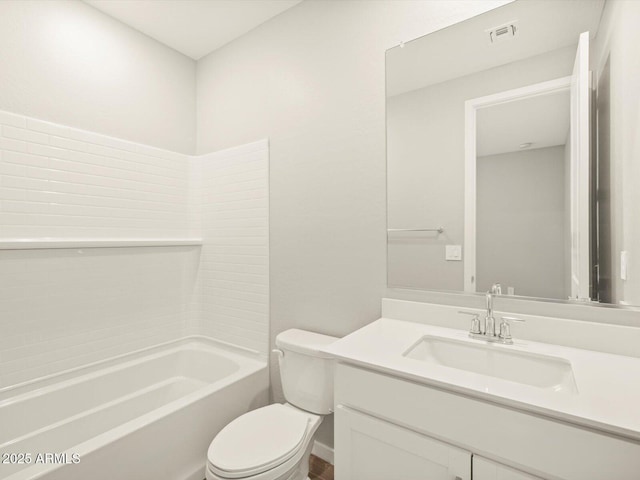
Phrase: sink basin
pixel 499 361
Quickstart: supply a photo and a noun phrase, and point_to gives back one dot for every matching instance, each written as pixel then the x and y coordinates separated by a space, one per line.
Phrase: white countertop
pixel 608 396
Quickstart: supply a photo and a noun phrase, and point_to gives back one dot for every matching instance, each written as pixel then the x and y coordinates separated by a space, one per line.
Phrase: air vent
pixel 502 33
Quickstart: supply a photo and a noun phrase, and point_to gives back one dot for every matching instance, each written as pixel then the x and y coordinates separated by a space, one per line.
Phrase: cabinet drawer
pixel 538 445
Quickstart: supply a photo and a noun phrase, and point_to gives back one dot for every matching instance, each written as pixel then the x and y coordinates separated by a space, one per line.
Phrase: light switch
pixel 453 253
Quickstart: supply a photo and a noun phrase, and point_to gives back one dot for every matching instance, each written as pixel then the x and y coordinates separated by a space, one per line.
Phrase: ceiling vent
pixel 502 33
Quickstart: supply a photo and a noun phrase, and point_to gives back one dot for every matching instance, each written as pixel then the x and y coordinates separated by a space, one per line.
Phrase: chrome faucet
pixel 485 329
pixel 489 320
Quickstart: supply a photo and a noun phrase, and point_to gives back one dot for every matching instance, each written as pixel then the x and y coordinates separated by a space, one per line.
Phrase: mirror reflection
pixel 522 194
pixel 510 154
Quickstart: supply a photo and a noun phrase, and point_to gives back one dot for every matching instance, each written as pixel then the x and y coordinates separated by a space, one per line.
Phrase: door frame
pixel 470 137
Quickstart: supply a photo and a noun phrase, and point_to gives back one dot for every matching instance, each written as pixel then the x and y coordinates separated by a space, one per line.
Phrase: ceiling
pixel 193 27
pixel 464 48
pixel 542 120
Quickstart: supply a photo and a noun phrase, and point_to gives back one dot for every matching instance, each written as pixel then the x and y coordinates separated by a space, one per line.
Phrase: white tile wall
pixel 63 308
pixel 57 181
pixel 234 271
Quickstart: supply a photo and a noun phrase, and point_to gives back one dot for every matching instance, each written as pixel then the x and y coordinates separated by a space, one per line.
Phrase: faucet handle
pixel 505 328
pixel 475 321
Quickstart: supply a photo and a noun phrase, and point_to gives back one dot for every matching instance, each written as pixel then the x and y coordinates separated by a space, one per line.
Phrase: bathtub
pixel 142 416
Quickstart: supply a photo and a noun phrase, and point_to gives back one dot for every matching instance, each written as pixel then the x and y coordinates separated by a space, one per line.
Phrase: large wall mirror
pixel 513 153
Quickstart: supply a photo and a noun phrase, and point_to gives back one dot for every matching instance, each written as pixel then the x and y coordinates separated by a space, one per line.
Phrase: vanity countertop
pixel 608 385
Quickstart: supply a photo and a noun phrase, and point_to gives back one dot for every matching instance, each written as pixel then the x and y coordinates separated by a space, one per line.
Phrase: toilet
pixel 274 442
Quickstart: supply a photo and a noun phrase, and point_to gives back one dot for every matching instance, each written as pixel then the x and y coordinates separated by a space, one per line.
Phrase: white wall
pixel 66 62
pixel 233 279
pixel 312 80
pixel 425 166
pixel 521 222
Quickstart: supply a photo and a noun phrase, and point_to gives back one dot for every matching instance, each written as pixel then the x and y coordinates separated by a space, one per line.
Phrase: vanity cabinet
pixel 373 449
pixel 484 469
pixel 392 428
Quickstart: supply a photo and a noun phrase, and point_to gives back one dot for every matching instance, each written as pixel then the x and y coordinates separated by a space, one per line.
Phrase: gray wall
pixel 66 62
pixel 312 80
pixel 425 144
pixel 521 222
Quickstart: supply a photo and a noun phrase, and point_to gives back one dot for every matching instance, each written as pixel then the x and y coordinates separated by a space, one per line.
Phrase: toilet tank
pixel 306 372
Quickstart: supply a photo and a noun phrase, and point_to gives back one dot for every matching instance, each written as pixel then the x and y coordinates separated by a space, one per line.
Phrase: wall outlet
pixel 453 253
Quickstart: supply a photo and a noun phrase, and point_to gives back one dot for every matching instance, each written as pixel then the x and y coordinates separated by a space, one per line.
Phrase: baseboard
pixel 322 451
pixel 197 474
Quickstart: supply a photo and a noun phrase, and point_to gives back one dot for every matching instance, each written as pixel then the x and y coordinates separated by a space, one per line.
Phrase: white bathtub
pixel 148 415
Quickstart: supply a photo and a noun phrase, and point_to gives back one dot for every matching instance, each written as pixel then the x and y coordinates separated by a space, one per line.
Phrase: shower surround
pixel 64 308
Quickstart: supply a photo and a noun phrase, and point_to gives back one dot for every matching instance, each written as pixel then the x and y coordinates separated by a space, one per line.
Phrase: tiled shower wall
pixel 61 308
pixel 63 182
pixel 233 284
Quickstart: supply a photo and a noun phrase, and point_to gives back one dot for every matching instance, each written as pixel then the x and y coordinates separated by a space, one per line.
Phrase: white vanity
pixel 415 400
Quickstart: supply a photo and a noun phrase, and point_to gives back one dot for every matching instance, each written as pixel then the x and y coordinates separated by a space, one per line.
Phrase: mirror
pixel 513 154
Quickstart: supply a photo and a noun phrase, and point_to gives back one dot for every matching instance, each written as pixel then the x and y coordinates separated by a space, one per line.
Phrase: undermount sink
pixel 542 371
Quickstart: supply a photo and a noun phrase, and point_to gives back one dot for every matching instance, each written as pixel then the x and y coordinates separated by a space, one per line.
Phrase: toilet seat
pixel 261 440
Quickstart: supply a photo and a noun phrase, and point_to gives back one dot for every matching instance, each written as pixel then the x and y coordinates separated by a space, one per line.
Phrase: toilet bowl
pixel 265 444
pixel 275 442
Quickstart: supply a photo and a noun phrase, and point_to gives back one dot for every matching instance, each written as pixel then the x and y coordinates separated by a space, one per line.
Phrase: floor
pixel 319 469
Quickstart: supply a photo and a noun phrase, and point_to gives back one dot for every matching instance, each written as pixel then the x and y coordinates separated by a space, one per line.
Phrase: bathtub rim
pixel 30 386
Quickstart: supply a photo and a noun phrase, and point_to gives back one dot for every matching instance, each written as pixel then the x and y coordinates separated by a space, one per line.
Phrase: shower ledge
pixel 49 242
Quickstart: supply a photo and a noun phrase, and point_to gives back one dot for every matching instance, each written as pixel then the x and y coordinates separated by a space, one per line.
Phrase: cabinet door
pixel 484 469
pixel 367 448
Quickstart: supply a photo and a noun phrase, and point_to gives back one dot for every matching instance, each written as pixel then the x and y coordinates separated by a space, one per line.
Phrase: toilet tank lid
pixel 307 343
